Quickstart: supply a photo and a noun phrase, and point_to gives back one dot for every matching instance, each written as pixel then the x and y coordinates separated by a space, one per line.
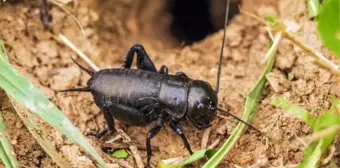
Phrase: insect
pixel 140 96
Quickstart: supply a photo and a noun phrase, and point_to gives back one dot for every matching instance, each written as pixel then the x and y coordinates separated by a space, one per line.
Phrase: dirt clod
pixel 64 78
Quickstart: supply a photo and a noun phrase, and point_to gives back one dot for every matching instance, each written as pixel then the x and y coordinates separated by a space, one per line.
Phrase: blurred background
pixel 173 21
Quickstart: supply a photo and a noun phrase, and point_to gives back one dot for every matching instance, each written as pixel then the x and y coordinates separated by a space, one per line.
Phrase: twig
pixel 286 33
pixel 270 33
pixel 114 139
pixel 65 2
pixel 253 16
pixel 80 53
pixel 323 133
pixel 133 149
pixel 321 59
pixel 276 42
pixel 214 144
pixel 120 162
pixel 123 163
pixel 205 138
pixel 60 5
pixel 329 157
pixel 301 141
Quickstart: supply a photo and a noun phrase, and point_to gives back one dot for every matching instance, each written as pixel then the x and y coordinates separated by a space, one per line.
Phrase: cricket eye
pixel 200 106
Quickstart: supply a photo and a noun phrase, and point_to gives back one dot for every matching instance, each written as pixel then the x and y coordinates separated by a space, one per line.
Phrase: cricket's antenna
pixel 222 47
pixel 227 112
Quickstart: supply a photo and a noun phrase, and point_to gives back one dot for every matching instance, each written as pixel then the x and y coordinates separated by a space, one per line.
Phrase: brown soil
pixel 111 28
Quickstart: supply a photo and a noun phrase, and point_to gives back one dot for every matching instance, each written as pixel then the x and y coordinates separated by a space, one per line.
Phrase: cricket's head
pixel 202 104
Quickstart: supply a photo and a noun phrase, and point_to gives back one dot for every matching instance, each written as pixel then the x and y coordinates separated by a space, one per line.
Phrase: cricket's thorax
pixel 173 95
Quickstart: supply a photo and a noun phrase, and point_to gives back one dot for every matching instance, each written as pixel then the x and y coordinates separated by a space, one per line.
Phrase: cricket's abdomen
pixel 125 86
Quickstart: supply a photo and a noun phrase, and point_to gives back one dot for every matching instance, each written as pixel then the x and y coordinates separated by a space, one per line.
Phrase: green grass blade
pixel 171 163
pixel 314 153
pixel 313 8
pixel 6 150
pixel 181 163
pixel 31 123
pixel 328 25
pixel 199 155
pixel 271 19
pixel 4 157
pixel 328 122
pixel 251 105
pixel 312 156
pixel 6 145
pixel 296 111
pixel 29 96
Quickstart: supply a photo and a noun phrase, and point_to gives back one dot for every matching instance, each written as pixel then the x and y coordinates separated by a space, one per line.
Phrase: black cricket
pixel 140 96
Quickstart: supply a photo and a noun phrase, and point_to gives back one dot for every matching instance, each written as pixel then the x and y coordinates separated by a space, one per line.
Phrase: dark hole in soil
pixel 193 20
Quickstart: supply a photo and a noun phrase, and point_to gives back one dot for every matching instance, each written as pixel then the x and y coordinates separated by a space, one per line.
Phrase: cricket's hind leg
pixel 143 60
pixel 109 127
pixel 128 115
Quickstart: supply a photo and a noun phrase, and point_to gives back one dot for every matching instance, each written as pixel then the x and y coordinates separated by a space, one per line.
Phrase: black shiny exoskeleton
pixel 140 96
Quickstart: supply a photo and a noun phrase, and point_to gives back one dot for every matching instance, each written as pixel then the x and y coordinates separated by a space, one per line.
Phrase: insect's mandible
pixel 140 96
